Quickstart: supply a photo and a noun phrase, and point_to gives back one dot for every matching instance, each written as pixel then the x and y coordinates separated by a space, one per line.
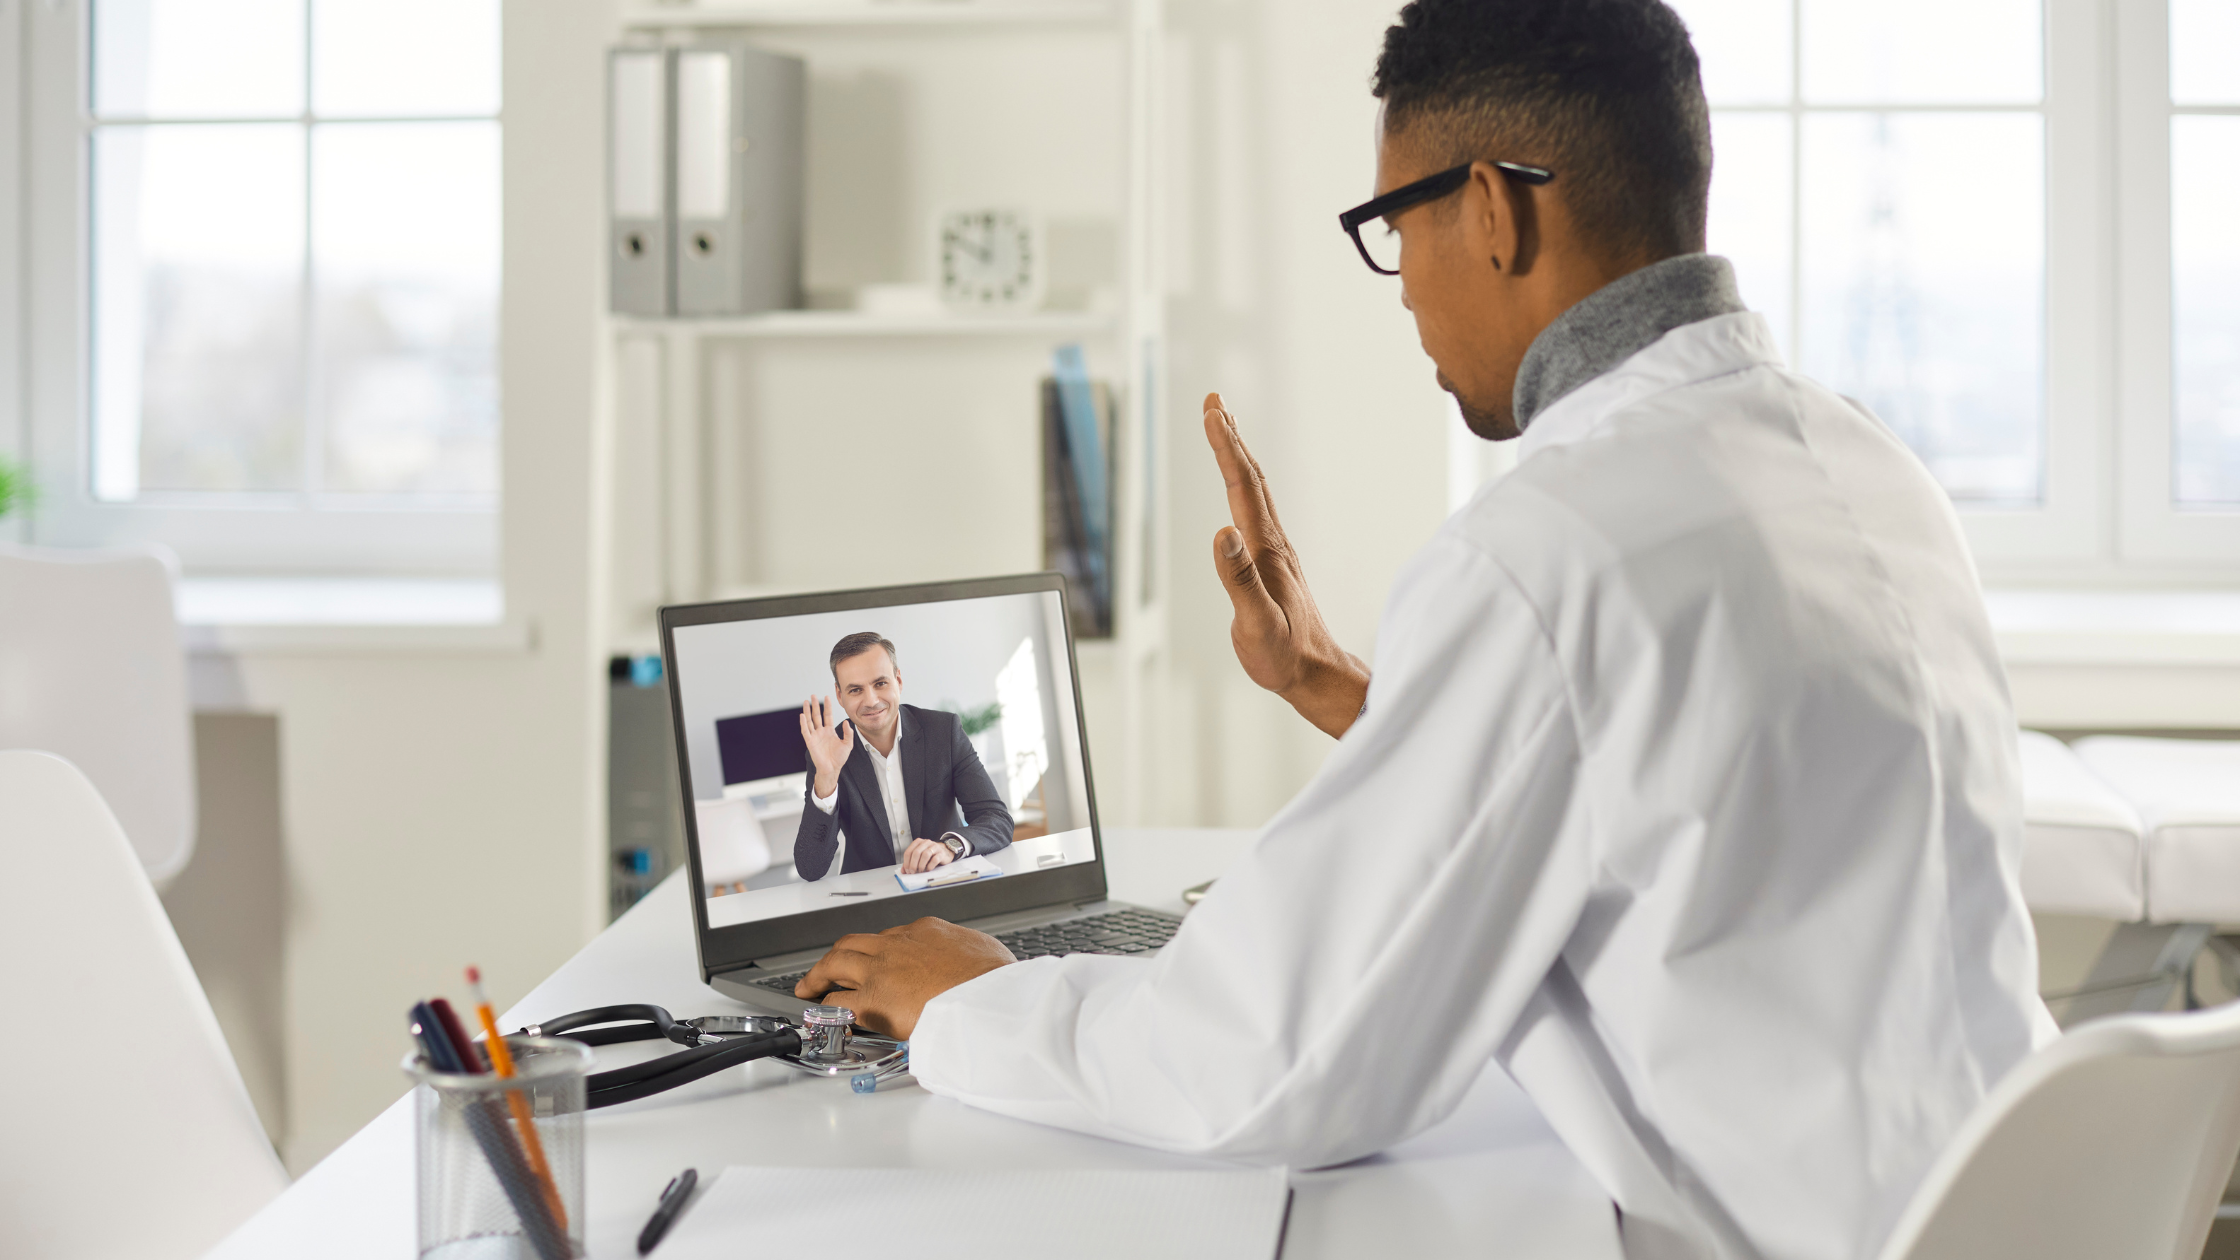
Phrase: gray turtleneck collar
pixel 1617 320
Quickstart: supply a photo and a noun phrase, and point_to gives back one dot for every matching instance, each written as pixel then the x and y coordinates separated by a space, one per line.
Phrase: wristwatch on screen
pixel 957 847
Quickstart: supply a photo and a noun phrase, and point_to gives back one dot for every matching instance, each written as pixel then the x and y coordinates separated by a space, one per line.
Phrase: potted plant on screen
pixel 980 726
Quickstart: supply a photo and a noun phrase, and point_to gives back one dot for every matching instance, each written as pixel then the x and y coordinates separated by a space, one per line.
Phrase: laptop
pixel 982 676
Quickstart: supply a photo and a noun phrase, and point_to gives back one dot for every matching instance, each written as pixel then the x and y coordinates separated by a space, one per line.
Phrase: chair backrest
pixel 2112 1143
pixel 91 668
pixel 732 844
pixel 124 1127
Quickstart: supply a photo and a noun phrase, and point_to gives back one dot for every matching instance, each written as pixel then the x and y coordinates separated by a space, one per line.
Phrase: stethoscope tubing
pixel 641 1021
pixel 643 1080
pixel 636 1021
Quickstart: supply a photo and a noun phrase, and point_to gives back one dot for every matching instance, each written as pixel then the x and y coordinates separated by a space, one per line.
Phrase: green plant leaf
pixel 976 720
pixel 17 494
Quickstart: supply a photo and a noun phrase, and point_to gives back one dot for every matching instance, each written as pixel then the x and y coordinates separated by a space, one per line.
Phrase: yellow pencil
pixel 501 1061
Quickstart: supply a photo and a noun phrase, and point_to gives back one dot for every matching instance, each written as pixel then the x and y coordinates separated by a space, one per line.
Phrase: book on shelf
pixel 1077 437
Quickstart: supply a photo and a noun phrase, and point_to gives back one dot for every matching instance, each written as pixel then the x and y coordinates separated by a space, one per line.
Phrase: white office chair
pixel 124 1126
pixel 732 846
pixel 2112 1143
pixel 91 668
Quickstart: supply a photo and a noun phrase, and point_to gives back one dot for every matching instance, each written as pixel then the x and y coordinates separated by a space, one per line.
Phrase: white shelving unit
pixel 705 373
pixel 1053 324
pixel 749 13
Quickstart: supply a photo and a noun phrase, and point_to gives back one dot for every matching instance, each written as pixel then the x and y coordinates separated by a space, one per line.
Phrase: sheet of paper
pixel 962 872
pixel 929 1214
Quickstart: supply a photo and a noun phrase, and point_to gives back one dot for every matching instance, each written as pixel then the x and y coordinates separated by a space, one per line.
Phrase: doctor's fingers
pixel 1242 577
pixel 838 969
pixel 1252 508
pixel 1247 487
pixel 1252 465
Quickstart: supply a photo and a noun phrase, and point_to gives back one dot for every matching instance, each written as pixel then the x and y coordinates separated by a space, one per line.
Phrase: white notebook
pixel 930 1214
pixel 963 871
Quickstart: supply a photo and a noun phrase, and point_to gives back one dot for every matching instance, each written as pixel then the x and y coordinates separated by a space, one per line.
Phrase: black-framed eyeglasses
pixel 1383 248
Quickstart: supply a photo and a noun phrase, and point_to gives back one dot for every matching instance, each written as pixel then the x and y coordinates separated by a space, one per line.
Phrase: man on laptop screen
pixel 876 801
pixel 804 809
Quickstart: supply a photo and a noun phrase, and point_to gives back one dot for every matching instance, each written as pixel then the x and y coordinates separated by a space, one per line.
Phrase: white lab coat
pixel 1687 790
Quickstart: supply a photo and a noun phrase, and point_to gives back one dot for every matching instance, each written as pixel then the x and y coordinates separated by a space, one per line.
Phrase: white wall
pixel 442 806
pixel 1271 132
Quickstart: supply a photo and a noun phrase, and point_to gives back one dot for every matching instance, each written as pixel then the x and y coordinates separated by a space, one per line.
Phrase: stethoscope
pixel 825 1043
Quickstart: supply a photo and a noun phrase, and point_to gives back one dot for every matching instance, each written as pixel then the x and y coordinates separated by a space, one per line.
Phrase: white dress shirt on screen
pixel 888 770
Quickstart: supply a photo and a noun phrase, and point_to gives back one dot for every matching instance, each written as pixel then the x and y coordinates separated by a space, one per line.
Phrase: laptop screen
pixel 948 743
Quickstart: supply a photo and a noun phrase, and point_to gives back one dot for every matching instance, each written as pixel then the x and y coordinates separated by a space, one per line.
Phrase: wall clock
pixel 990 260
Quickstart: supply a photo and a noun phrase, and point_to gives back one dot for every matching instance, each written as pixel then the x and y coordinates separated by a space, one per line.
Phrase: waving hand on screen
pixel 829 742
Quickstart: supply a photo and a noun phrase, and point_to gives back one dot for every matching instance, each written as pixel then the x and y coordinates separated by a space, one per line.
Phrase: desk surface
pixel 879 883
pixel 1492 1175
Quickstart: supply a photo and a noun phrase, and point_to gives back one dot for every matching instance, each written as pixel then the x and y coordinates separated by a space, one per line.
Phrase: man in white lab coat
pixel 1684 786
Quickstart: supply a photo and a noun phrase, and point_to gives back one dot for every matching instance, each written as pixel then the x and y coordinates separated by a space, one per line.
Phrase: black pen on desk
pixel 672 1206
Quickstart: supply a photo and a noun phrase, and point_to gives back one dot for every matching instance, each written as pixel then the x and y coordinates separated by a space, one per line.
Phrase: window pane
pixel 1744 46
pixel 1751 210
pixel 391 58
pixel 198 58
pixel 405 263
pixel 2204 35
pixel 197 307
pixel 2205 288
pixel 1924 283
pixel 1935 52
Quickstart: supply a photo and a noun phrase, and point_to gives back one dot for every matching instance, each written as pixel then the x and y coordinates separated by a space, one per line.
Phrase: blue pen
pixel 488 1125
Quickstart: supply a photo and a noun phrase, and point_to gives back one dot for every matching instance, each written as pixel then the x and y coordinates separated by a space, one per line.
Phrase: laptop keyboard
pixel 1119 932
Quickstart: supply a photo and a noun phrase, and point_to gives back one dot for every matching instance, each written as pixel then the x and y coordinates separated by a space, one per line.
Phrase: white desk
pixel 1492 1177
pixel 1017 858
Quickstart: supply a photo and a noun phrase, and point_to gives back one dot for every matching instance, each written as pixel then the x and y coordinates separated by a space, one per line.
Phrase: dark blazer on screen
pixel 949 791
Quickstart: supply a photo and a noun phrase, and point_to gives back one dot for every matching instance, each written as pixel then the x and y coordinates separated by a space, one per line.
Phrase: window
pixel 2205 250
pixel 1883 198
pixel 1952 211
pixel 286 215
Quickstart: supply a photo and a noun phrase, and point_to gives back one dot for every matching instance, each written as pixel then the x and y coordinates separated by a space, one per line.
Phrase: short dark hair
pixel 1606 93
pixel 856 645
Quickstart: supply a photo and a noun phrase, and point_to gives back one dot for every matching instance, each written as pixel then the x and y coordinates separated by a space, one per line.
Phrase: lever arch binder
pixel 738 184
pixel 638 276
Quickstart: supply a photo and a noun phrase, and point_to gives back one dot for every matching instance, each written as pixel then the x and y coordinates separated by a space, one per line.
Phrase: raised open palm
pixel 1278 632
pixel 829 741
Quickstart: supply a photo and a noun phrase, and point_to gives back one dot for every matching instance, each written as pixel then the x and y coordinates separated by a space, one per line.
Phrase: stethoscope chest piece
pixel 830 1046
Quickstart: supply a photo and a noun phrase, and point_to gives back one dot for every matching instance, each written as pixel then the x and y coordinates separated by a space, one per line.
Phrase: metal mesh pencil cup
pixel 486 1191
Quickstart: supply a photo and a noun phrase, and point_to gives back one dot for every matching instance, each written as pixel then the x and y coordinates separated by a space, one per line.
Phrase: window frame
pixel 14 257
pixel 300 531
pixel 2067 521
pixel 2153 529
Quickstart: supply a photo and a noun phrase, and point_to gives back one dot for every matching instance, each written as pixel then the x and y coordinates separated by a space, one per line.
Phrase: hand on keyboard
pixel 1118 932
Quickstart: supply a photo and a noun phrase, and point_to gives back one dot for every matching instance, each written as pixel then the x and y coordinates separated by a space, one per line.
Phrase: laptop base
pixel 1095 927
